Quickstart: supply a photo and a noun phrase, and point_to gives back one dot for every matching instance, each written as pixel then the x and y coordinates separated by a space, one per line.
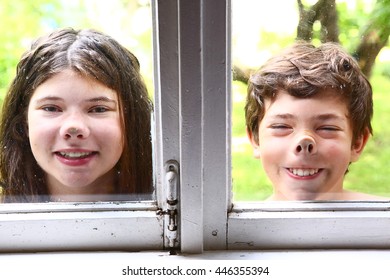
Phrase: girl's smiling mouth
pixel 75 158
pixel 75 155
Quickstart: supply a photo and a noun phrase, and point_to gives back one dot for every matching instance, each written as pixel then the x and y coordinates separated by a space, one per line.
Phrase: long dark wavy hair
pixel 90 53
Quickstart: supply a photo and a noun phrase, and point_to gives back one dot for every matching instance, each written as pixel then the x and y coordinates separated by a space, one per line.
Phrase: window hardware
pixel 171 186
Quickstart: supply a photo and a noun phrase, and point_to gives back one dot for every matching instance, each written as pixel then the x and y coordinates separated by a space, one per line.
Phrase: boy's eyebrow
pixel 330 116
pixel 283 116
pixel 322 117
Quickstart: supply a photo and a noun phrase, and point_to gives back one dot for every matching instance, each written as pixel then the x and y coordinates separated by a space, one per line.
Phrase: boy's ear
pixel 255 144
pixel 358 146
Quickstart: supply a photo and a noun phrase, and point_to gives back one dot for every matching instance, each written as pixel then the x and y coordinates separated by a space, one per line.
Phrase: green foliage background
pixel 369 174
pixel 129 21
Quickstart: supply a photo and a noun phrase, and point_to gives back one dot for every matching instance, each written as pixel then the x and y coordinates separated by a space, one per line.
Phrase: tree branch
pixel 241 74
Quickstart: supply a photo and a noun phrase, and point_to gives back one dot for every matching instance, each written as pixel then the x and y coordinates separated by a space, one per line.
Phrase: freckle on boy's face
pixel 305 145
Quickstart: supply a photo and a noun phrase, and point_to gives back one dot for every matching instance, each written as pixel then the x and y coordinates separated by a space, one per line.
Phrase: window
pixel 112 225
pixel 192 44
pixel 257 34
pixel 201 76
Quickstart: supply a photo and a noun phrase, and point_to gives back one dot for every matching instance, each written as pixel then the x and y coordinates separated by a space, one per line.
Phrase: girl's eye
pixel 99 109
pixel 51 109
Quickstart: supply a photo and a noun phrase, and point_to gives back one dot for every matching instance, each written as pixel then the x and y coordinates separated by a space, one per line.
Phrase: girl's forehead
pixel 68 83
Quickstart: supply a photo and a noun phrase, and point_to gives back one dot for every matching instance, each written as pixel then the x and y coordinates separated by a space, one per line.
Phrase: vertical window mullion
pixel 167 99
pixel 190 64
pixel 192 113
pixel 217 124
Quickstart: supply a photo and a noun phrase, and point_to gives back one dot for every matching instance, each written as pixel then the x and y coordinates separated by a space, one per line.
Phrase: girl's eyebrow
pixel 90 100
pixel 48 98
pixel 101 99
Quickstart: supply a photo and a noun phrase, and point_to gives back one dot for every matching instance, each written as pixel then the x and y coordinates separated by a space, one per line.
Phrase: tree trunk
pixel 329 22
pixel 324 11
pixel 375 37
pixel 373 40
pixel 369 48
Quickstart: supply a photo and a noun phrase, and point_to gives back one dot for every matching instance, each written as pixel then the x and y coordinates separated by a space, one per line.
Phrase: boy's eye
pixel 280 129
pixel 328 131
pixel 280 126
pixel 329 128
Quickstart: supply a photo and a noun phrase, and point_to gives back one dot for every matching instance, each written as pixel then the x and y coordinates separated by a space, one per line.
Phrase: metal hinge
pixel 171 185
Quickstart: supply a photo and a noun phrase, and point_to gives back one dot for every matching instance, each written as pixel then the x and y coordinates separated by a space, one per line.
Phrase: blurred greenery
pixel 129 21
pixel 369 174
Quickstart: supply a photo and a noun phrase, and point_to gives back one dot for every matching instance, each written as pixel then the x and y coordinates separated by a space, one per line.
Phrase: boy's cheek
pixel 256 152
pixel 254 143
pixel 359 146
pixel 355 155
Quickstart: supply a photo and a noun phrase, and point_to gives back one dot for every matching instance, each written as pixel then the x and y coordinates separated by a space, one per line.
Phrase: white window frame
pixel 130 225
pixel 193 129
pixel 80 226
pixel 195 78
pixel 209 220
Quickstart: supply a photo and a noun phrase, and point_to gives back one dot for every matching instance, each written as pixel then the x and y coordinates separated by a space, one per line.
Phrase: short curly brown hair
pixel 304 70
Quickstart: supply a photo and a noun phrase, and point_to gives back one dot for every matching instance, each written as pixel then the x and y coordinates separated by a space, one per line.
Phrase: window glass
pixel 129 23
pixel 258 33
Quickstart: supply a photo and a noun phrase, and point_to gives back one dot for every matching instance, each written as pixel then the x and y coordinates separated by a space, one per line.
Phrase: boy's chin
pixel 296 196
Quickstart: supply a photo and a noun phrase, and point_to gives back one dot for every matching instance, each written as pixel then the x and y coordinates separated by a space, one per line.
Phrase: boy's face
pixel 305 145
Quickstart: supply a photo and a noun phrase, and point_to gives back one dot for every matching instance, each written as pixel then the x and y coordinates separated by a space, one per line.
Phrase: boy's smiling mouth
pixel 304 172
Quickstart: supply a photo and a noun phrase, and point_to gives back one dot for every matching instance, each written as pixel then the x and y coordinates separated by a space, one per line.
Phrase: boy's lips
pixel 304 172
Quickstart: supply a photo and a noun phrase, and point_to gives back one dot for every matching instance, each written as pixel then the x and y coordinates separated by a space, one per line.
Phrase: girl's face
pixel 74 128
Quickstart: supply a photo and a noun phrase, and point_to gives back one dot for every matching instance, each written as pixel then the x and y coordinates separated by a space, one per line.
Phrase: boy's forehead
pixel 323 94
pixel 325 101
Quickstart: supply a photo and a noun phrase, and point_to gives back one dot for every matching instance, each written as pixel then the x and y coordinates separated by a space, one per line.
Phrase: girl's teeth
pixel 74 154
pixel 303 172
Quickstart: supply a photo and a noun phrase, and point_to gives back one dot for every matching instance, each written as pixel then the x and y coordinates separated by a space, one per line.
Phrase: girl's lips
pixel 74 155
pixel 75 158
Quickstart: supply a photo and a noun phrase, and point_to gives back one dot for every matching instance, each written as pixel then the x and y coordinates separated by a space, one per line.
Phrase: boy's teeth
pixel 303 172
pixel 74 154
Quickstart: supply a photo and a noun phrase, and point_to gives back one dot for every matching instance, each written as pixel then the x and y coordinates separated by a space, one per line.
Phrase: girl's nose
pixel 74 128
pixel 74 132
pixel 306 144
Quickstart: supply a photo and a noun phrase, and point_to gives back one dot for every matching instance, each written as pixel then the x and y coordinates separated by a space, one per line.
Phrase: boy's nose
pixel 306 144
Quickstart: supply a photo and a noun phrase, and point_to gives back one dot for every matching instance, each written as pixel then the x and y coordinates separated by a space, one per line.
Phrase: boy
pixel 308 116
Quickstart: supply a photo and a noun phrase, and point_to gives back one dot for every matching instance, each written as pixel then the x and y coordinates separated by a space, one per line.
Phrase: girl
pixel 76 121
